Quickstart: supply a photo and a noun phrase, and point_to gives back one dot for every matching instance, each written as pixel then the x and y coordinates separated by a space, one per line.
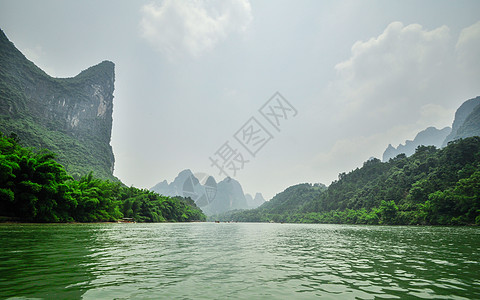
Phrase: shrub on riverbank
pixel 431 187
pixel 35 188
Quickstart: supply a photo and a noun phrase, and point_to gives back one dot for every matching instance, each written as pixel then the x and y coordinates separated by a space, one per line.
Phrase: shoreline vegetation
pixel 431 187
pixel 34 188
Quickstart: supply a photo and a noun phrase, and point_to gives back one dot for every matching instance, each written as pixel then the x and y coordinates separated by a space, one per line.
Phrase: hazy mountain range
pixel 73 118
pixel 433 179
pixel 212 197
pixel 466 124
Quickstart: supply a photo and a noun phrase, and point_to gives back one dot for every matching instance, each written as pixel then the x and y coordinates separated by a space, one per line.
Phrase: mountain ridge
pixel 431 187
pixel 466 124
pixel 430 136
pixel 212 197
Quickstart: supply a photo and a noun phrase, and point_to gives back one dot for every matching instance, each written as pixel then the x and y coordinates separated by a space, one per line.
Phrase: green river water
pixel 237 261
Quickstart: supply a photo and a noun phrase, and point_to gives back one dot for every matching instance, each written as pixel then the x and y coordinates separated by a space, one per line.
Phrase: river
pixel 238 261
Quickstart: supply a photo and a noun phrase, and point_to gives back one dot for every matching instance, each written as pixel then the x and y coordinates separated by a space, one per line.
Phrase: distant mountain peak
pixel 427 137
pixel 466 124
pixel 210 196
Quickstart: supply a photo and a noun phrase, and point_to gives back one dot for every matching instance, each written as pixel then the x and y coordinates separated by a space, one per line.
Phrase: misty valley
pixel 405 226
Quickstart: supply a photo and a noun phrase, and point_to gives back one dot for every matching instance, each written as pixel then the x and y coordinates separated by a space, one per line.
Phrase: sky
pixel 272 93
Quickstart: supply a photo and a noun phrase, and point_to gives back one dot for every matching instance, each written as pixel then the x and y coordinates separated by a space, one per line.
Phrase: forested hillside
pixel 69 116
pixel 433 186
pixel 35 188
pixel 291 200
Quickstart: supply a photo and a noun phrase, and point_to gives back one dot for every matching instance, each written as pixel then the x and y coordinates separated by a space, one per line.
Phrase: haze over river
pixel 238 261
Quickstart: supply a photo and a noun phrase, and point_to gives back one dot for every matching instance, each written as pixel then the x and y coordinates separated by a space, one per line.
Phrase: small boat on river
pixel 127 220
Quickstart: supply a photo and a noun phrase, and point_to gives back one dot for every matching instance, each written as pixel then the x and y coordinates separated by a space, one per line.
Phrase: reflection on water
pixel 218 261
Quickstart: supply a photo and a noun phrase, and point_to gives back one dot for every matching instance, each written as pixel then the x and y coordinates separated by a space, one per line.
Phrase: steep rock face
pixel 258 200
pixel 471 126
pixel 249 200
pixel 467 121
pixel 69 116
pixel 461 115
pixel 428 137
pixel 176 187
pixel 390 152
pixel 466 124
pixel 229 196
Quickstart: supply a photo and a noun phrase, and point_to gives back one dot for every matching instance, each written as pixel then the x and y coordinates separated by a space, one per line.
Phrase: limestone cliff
pixel 471 126
pixel 229 196
pixel 466 122
pixel 69 116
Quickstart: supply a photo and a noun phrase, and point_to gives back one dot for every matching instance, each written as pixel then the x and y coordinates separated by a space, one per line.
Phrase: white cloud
pixel 346 154
pixel 396 84
pixel 193 27
pixel 468 51
pixel 434 115
pixel 395 72
pixel 339 157
pixel 405 74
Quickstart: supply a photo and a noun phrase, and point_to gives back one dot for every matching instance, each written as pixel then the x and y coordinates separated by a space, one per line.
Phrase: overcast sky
pixel 191 75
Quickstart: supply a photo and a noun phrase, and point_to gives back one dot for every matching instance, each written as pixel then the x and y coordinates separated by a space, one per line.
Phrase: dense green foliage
pixel 69 151
pixel 35 188
pixel 291 200
pixel 433 186
pixel 147 206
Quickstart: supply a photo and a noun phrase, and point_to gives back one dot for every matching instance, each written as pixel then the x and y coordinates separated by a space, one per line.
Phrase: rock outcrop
pixel 69 116
pixel 258 199
pixel 229 196
pixel 466 122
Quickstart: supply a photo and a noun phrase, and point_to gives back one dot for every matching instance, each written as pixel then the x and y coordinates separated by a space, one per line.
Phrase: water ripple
pixel 238 261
